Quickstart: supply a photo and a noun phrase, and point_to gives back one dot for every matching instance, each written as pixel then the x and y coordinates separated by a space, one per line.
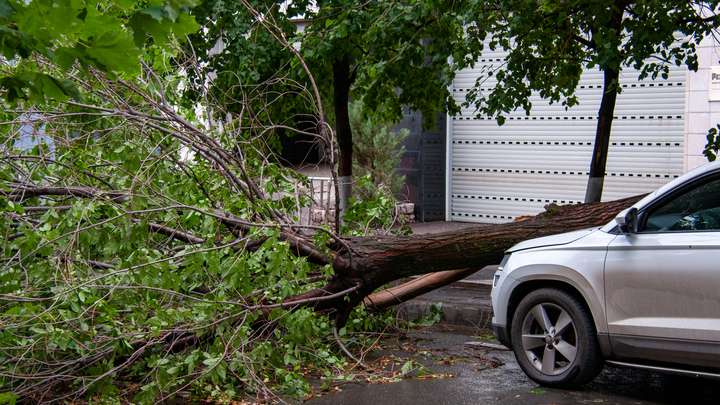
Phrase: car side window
pixel 695 210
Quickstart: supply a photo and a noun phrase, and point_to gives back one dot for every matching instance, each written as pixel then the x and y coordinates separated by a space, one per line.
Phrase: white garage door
pixel 502 172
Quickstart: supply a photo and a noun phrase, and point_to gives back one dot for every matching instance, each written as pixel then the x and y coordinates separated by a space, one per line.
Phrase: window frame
pixel 682 189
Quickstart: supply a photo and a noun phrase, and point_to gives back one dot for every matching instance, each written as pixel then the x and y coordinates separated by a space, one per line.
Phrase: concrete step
pixel 465 302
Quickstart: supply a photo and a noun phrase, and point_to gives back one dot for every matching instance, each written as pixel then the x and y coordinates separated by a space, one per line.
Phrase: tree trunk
pixel 602 137
pixel 341 88
pixel 596 179
pixel 379 260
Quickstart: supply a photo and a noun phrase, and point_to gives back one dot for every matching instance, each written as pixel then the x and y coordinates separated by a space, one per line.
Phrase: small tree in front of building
pixel 550 43
pixel 377 152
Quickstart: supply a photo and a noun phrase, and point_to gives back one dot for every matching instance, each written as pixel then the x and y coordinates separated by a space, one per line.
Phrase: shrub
pixel 377 151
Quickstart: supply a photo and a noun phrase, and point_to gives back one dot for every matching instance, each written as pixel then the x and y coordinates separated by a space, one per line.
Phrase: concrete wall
pixel 700 113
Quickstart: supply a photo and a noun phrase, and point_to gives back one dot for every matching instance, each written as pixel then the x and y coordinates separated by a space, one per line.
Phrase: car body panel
pixel 674 351
pixel 654 295
pixel 549 263
pixel 552 240
pixel 664 285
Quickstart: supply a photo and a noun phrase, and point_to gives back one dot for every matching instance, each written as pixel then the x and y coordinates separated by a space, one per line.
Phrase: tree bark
pixel 416 287
pixel 341 98
pixel 606 114
pixel 379 260
pixel 602 137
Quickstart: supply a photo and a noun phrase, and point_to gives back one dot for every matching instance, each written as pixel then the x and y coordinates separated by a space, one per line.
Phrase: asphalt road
pixel 472 374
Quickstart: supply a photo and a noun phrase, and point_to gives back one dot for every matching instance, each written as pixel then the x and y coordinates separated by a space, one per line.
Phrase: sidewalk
pixel 465 302
pixel 420 228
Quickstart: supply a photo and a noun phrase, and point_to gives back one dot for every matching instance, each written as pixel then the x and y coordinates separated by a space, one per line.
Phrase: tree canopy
pixel 151 239
pixel 550 43
pixel 105 35
pixel 388 54
pixel 139 244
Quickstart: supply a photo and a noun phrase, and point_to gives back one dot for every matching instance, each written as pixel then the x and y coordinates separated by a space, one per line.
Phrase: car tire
pixel 554 339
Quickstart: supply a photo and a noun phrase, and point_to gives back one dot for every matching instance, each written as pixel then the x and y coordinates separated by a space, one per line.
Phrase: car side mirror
pixel 627 221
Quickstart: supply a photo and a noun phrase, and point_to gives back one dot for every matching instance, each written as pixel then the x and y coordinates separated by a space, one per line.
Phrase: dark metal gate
pixel 423 165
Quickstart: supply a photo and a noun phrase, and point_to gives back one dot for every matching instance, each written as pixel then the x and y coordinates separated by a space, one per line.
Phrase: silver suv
pixel 643 291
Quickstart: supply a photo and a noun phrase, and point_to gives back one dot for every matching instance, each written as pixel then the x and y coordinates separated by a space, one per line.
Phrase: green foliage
pixel 435 316
pixel 412 365
pixel 106 35
pixel 376 214
pixel 713 144
pixel 371 50
pixel 550 43
pixel 376 154
pixel 415 47
pixel 387 44
pixel 138 262
pixel 252 64
pixel 141 249
pixel 126 271
pixel 35 87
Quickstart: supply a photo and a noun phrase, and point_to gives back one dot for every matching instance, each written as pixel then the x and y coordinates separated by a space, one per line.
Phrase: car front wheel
pixel 555 340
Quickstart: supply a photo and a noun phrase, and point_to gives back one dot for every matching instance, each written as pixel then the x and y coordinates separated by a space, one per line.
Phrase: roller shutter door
pixel 500 173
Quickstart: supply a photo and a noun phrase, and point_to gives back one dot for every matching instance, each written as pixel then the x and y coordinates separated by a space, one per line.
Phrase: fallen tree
pixel 379 260
pixel 144 245
pixel 471 249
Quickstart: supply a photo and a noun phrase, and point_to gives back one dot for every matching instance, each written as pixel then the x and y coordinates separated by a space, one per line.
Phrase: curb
pixel 465 302
pixel 474 284
pixel 466 315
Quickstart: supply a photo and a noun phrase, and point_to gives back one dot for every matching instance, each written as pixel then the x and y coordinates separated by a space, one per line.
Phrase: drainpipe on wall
pixel 448 156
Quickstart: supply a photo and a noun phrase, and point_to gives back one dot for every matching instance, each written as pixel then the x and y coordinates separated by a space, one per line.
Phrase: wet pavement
pixel 472 374
pixel 469 372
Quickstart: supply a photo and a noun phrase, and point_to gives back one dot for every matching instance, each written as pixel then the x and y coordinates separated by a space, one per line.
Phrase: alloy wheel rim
pixel 549 339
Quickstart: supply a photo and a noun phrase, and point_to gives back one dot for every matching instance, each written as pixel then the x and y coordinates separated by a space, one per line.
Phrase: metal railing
pixel 322 200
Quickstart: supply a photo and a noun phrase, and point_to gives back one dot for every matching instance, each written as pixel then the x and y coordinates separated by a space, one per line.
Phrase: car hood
pixel 552 240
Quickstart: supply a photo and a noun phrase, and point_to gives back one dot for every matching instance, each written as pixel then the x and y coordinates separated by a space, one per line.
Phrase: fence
pixel 322 201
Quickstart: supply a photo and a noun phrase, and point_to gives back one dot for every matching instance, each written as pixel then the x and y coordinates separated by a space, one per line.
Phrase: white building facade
pixel 701 113
pixel 495 174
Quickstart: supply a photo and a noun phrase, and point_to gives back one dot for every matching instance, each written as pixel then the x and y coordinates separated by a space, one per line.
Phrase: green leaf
pixel 146 22
pixel 8 397
pixel 406 367
pixel 176 7
pixel 14 310
pixel 39 86
pixel 159 22
pixel 125 4
pixel 221 370
pixel 211 362
pixel 117 52
pixel 14 42
pixel 184 25
pixel 157 13
pixel 6 10
pixel 60 89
